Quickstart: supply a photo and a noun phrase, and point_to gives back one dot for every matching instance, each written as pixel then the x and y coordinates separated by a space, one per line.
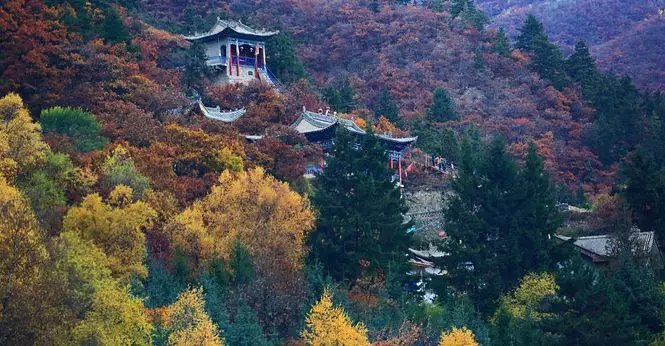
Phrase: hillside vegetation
pixel 129 218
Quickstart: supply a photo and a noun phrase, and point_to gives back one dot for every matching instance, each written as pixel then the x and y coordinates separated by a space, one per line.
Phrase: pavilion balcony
pixel 244 61
pixel 216 61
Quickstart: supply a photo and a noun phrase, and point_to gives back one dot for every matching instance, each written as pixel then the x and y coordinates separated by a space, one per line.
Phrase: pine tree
pixel 547 61
pixel 386 107
pixel 361 211
pixel 531 31
pixel 196 68
pixel 283 59
pixel 589 310
pixel 442 108
pixel 501 43
pixel 245 329
pixel 113 30
pixel 644 181
pixel 581 67
pixel 498 215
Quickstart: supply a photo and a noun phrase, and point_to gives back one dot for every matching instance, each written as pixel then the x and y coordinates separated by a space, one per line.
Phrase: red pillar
pixel 391 161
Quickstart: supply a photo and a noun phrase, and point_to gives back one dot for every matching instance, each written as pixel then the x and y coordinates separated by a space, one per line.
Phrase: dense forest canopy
pixel 159 224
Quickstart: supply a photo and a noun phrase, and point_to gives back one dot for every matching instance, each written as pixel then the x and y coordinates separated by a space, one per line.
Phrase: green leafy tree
pixel 439 141
pixel 119 169
pixel 80 126
pixel 442 108
pixel 283 59
pixel 360 222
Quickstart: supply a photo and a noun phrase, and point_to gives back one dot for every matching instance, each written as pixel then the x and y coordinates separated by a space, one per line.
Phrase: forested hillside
pixel 128 217
pixel 626 37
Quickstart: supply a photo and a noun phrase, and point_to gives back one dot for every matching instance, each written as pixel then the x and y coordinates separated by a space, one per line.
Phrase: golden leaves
pixel 116 228
pixel 330 325
pixel 188 323
pixel 458 337
pixel 269 218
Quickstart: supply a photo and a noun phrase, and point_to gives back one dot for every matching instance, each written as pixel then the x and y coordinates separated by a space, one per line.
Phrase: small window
pixel 250 73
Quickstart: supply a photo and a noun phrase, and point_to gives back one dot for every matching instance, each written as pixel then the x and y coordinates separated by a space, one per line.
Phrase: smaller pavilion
pixel 320 128
pixel 236 51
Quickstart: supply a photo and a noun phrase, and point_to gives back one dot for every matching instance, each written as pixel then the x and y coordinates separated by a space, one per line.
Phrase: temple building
pixel 320 129
pixel 236 52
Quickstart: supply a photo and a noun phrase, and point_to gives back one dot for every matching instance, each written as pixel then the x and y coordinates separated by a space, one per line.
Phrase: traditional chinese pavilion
pixel 321 128
pixel 236 51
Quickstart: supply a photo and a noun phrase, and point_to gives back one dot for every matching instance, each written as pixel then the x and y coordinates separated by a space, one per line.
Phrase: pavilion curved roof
pixel 309 122
pixel 233 26
pixel 217 114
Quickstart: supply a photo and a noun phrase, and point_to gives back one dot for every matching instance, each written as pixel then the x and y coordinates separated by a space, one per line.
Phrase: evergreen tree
pixel 439 141
pixel 501 43
pixel 498 215
pixel 242 264
pixel 581 67
pixel 617 125
pixel 548 62
pixel 546 58
pixel 478 59
pixel 589 310
pixel 441 108
pixel 283 59
pixel 161 287
pixel 360 211
pixel 340 99
pixel 386 107
pixel 531 31
pixel 246 330
pixel 113 30
pixel 644 181
pixel 196 68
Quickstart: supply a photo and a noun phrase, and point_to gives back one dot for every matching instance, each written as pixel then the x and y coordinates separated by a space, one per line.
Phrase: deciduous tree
pixel 330 325
pixel 116 227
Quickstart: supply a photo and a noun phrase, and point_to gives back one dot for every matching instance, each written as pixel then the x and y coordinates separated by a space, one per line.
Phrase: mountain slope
pixel 608 27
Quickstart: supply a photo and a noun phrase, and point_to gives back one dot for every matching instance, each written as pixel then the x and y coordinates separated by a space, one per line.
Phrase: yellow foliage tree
pixel 188 323
pixel 330 325
pixel 531 291
pixel 269 218
pixel 26 308
pixel 111 315
pixel 458 337
pixel 21 144
pixel 116 228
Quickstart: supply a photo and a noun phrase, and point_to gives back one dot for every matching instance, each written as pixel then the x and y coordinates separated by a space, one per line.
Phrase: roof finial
pixel 327 110
pixel 304 109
